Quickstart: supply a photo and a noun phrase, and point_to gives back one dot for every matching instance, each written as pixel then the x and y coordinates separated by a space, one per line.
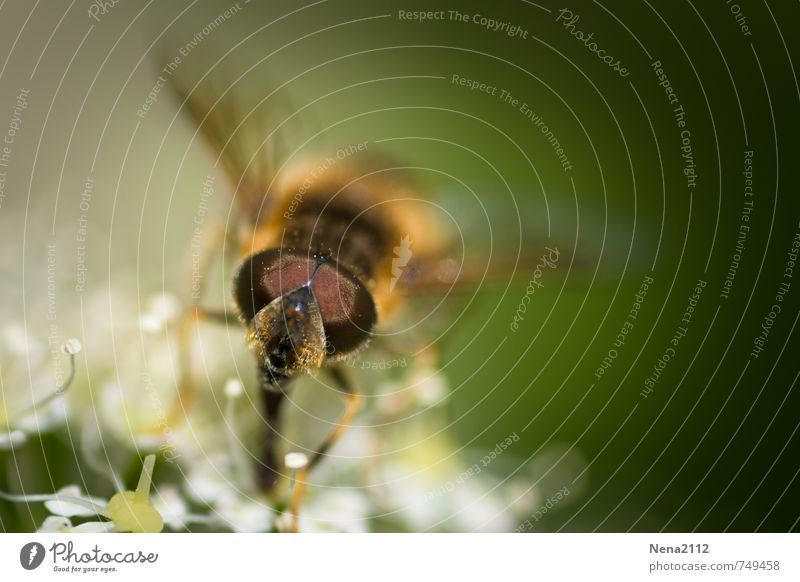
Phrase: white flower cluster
pixel 384 468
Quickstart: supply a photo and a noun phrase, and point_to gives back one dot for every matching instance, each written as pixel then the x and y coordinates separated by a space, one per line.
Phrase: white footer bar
pixel 407 557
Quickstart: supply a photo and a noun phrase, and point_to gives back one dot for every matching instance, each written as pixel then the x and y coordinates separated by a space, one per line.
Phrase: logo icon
pixel 402 254
pixel 31 555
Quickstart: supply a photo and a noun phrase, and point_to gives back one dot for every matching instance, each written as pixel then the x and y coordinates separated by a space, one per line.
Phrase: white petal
pixel 431 387
pixel 55 524
pixel 243 515
pixel 50 416
pixel 69 508
pixel 205 484
pixel 11 438
pixel 19 343
pixel 94 527
pixel 341 510
pixel 149 323
pixel 164 306
pixel 485 512
pixel 168 502
pixel 233 388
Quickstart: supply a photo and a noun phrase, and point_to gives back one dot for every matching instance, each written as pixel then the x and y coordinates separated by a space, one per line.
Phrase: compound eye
pixel 267 275
pixel 345 304
pixel 348 311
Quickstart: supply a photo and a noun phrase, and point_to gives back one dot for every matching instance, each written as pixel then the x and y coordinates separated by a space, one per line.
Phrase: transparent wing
pixel 247 120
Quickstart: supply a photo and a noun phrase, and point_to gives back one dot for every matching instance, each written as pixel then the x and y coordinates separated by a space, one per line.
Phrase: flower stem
pixel 145 479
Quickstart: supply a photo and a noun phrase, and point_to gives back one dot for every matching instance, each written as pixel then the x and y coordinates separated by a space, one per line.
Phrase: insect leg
pixel 188 327
pixel 190 320
pixel 352 406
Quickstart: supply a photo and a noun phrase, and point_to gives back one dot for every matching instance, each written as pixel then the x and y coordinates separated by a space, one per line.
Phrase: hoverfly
pixel 317 261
